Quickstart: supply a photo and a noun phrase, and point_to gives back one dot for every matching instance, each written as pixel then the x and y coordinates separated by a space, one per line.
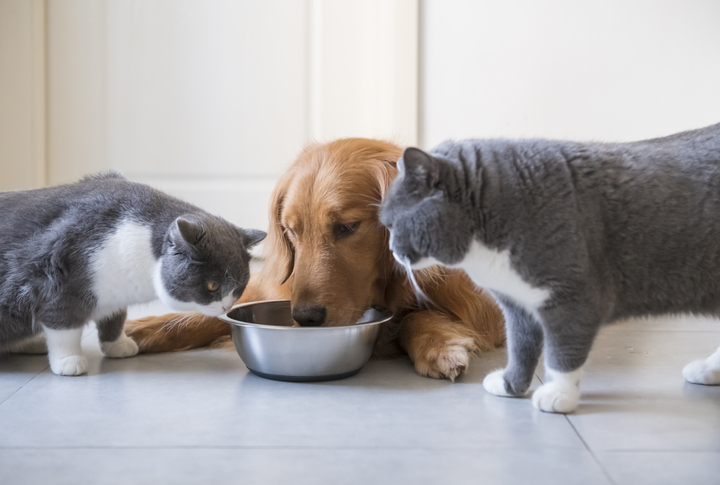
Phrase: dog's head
pixel 325 242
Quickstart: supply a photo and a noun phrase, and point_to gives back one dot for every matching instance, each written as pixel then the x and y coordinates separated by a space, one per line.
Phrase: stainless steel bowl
pixel 271 347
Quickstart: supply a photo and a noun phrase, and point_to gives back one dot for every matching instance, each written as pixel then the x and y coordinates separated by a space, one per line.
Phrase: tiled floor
pixel 200 417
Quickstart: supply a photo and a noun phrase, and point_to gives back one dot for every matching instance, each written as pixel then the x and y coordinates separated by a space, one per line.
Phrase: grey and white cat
pixel 85 251
pixel 567 236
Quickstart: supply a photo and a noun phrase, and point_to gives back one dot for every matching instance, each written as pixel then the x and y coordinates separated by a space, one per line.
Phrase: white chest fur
pixel 123 269
pixel 492 270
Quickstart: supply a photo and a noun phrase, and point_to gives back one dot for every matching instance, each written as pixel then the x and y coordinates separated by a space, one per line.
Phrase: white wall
pixel 605 70
pixel 22 94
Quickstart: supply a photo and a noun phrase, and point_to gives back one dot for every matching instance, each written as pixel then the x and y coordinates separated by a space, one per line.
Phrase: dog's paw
pixel 32 345
pixel 71 365
pixel 447 360
pixel 494 383
pixel 701 372
pixel 556 397
pixel 122 347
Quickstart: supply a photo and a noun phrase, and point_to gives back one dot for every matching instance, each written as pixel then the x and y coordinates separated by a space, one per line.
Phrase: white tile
pixel 17 370
pixel 208 398
pixel 299 466
pixel 662 468
pixel 635 398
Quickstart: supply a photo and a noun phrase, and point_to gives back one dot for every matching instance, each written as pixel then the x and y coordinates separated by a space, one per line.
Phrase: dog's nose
pixel 309 316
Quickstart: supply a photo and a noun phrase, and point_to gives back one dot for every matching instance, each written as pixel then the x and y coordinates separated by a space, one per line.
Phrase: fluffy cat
pixel 567 236
pixel 85 251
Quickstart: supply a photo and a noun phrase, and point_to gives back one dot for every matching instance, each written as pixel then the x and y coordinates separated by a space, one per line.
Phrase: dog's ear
pixel 280 253
pixel 385 173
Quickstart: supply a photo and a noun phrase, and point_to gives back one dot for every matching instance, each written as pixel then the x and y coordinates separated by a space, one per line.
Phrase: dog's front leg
pixel 438 346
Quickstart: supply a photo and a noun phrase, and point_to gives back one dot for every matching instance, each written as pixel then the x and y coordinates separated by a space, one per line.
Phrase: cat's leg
pixel 113 341
pixel 32 345
pixel 706 372
pixel 569 333
pixel 524 346
pixel 64 351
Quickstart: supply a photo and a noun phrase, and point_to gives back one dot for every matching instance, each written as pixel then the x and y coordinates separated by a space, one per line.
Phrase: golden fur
pixel 339 183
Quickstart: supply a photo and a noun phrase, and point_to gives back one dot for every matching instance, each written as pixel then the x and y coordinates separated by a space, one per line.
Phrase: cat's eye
pixel 212 285
pixel 344 230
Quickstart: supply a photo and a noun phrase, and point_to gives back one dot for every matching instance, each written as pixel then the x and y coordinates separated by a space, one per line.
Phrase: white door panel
pixel 205 103
pixel 207 100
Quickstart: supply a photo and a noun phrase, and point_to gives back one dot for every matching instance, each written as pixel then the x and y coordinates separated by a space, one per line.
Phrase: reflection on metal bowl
pixel 271 347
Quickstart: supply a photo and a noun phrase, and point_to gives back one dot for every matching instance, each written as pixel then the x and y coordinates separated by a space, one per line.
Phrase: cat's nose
pixel 226 308
pixel 309 316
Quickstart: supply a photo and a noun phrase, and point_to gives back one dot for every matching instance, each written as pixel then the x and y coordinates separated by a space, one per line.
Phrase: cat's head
pixel 426 212
pixel 204 265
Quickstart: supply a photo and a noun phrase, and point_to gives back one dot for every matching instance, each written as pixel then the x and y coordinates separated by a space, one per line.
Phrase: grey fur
pixel 47 237
pixel 612 230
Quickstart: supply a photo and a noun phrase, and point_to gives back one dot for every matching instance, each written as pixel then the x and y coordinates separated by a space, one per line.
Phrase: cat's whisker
pixel 420 295
pixel 180 321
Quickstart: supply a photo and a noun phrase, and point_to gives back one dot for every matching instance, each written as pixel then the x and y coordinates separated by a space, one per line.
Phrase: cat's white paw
pixel 556 397
pixel 702 372
pixel 71 365
pixel 494 383
pixel 122 347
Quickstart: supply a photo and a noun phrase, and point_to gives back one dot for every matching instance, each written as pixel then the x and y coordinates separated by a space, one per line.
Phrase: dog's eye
pixel 344 230
pixel 289 232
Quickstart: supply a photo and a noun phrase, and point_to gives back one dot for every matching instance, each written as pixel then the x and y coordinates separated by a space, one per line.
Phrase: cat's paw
pixel 494 383
pixel 446 360
pixel 701 372
pixel 122 347
pixel 556 397
pixel 71 365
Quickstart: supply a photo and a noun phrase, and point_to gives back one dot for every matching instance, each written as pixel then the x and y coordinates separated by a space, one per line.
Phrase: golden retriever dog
pixel 327 252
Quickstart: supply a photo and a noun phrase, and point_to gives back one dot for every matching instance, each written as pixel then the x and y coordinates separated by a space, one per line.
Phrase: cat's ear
pixel 419 165
pixel 252 237
pixel 186 233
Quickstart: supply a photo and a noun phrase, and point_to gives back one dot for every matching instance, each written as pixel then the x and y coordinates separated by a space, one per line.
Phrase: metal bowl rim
pixel 388 315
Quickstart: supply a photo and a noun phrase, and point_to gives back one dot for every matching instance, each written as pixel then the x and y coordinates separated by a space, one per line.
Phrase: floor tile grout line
pixel 592 454
pixel 241 447
pixel 28 382
pixel 304 447
pixel 651 450
pixel 38 373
